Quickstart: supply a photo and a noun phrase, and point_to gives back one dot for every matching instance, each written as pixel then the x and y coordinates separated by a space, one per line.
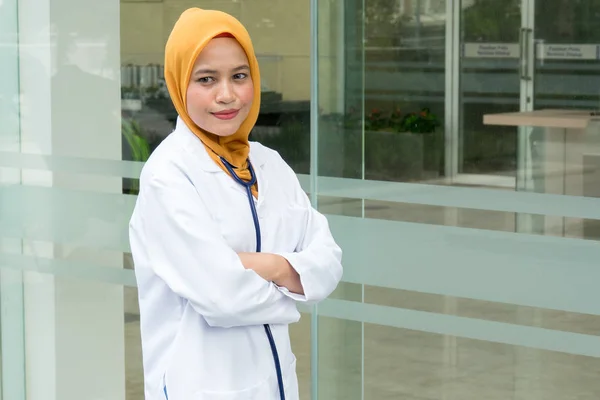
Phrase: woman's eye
pixel 205 79
pixel 240 76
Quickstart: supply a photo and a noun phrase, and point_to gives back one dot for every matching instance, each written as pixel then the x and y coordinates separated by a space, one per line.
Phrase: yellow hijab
pixel 191 33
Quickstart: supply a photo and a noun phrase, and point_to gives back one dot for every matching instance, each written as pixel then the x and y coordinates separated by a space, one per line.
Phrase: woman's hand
pixel 273 268
pixel 264 264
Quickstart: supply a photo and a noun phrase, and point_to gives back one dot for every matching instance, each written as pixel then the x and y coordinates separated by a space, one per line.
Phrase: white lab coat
pixel 202 312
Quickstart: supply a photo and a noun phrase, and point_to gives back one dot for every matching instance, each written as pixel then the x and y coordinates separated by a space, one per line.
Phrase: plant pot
pixel 402 156
pixel 389 156
pixel 393 156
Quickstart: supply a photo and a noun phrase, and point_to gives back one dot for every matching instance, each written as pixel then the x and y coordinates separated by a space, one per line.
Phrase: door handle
pixel 524 43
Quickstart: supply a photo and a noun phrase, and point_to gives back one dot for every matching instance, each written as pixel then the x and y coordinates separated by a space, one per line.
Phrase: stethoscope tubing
pixel 248 186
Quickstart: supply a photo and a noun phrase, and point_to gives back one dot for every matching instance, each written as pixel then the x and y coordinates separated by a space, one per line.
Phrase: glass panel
pixel 448 291
pixel 567 61
pixel 66 104
pixel 454 292
pixel 427 365
pixel 12 380
pixel 404 48
pixel 388 123
pixel 340 154
pixel 489 83
pixel 561 161
pixel 404 64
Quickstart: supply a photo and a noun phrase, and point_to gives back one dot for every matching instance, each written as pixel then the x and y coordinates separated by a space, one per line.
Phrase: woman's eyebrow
pixel 242 68
pixel 214 71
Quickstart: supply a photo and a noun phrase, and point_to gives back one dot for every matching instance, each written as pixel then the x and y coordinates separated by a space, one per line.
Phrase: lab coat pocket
pixel 262 391
pixel 268 389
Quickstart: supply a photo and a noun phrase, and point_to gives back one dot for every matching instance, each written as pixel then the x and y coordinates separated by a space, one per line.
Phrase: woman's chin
pixel 224 130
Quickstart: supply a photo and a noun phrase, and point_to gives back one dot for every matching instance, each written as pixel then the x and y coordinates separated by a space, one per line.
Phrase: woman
pixel 219 276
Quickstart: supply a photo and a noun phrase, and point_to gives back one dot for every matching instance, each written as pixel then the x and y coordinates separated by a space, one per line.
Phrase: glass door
pixel 559 69
pixel 520 55
pixel 567 56
pixel 496 75
pixel 563 74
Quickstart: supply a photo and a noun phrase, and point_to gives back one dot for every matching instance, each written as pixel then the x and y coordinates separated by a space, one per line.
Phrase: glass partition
pixel 473 283
pixel 470 231
pixel 63 219
pixel 11 289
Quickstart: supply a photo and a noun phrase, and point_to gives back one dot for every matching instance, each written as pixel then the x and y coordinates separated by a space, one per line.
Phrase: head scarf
pixel 191 33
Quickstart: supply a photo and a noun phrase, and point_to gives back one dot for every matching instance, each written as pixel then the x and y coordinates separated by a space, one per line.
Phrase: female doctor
pixel 224 240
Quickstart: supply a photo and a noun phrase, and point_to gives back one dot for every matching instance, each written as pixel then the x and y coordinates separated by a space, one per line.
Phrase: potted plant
pixel 398 146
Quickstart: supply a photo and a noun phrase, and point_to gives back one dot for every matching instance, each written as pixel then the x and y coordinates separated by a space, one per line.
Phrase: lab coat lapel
pixel 258 160
pixel 257 157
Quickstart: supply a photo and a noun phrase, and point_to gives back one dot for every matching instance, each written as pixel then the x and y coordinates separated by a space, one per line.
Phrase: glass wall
pixel 63 217
pixel 469 231
pixel 469 225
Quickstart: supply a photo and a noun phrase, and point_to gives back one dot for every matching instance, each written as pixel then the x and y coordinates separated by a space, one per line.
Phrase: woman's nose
pixel 225 93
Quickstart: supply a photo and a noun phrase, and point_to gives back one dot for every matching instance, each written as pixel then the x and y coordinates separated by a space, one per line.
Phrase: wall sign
pixel 543 51
pixel 491 50
pixel 568 51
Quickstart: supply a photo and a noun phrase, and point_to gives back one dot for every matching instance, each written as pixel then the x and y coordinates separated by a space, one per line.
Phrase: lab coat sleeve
pixel 187 251
pixel 318 258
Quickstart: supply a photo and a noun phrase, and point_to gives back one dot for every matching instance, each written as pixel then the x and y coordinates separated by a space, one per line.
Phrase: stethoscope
pixel 248 186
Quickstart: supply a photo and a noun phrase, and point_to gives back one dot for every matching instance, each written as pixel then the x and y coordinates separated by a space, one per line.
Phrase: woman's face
pixel 220 92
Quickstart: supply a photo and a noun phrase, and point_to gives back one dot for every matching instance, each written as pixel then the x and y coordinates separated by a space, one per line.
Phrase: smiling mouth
pixel 227 114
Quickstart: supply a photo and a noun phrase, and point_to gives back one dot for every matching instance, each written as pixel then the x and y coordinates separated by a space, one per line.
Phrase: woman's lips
pixel 227 114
